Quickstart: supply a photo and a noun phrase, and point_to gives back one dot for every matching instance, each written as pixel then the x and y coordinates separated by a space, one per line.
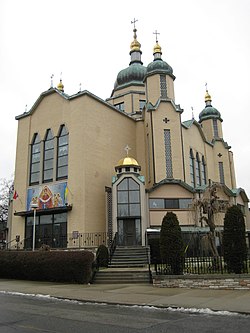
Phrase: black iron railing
pixel 199 265
pixel 113 246
pixel 72 240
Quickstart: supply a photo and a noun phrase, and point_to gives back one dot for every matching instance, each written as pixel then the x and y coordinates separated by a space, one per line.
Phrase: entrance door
pixel 129 232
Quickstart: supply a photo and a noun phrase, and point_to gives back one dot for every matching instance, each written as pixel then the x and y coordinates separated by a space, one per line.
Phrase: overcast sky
pixel 89 42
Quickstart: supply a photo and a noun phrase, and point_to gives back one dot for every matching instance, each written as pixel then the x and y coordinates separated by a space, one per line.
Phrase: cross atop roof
pixel 127 149
pixel 133 22
pixel 156 33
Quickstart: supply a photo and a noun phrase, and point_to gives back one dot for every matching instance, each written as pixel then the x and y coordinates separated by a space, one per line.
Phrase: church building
pixel 87 168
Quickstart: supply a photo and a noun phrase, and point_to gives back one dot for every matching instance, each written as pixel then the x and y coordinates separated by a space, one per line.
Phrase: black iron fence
pixel 198 265
pixel 72 240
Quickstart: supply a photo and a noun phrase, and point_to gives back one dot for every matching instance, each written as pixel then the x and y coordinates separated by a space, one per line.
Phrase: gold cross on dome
pixel 127 149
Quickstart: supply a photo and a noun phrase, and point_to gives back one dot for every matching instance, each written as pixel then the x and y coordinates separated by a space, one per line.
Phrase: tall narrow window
pixel 48 158
pixel 62 153
pixel 198 169
pixel 128 198
pixel 203 171
pixel 35 160
pixel 149 160
pixel 191 163
pixel 215 127
pixel 168 153
pixel 221 173
pixel 163 86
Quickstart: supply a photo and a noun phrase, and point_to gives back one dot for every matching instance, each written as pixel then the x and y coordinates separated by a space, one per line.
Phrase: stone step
pixel 129 257
pixel 109 276
pixel 126 264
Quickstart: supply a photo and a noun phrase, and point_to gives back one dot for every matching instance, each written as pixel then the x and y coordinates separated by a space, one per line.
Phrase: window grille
pixel 163 86
pixel 168 153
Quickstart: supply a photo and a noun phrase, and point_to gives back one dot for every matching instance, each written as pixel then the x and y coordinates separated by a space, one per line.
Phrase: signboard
pixel 47 196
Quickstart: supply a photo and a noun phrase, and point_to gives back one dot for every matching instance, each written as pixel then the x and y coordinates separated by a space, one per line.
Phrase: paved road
pixel 26 314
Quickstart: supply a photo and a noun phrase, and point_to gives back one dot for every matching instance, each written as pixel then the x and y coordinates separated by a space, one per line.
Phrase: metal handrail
pixel 113 246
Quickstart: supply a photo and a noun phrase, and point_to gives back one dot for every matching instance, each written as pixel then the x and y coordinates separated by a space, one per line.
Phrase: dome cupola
pixel 158 66
pixel 60 86
pixel 134 74
pixel 127 164
pixel 209 112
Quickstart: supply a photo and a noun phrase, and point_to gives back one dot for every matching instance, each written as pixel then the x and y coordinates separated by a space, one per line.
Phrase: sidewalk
pixel 133 294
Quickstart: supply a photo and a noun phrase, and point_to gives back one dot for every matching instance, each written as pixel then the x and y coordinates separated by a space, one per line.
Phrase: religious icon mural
pixel 47 196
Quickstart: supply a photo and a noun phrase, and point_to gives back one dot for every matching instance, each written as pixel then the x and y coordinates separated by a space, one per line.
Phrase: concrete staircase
pixel 128 265
pixel 130 257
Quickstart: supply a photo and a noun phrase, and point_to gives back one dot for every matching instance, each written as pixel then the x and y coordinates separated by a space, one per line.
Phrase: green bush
pixel 102 256
pixel 234 240
pixel 171 243
pixel 58 266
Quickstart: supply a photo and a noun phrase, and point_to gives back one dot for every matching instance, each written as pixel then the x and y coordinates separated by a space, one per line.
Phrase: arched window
pixel 48 157
pixel 62 153
pixel 35 159
pixel 191 163
pixel 128 198
pixel 203 171
pixel 198 170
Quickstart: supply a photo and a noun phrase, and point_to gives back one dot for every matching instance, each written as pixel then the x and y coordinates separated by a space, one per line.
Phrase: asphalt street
pixel 40 313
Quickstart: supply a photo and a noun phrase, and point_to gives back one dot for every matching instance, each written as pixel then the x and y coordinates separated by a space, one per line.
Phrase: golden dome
pixel 127 161
pixel 207 97
pixel 157 48
pixel 135 45
pixel 60 86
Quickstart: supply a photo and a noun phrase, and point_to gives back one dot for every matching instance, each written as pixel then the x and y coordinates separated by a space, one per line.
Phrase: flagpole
pixel 34 206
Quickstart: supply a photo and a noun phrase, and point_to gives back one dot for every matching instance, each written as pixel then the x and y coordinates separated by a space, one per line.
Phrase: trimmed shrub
pixel 102 256
pixel 55 266
pixel 171 243
pixel 234 240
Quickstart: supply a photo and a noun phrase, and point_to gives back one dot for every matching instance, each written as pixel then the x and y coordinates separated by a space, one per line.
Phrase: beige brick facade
pixel 97 134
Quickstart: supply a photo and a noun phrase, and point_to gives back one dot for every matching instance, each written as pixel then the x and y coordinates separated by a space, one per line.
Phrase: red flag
pixel 15 195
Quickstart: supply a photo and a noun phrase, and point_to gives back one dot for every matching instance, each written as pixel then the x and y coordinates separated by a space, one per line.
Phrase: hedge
pixel 55 266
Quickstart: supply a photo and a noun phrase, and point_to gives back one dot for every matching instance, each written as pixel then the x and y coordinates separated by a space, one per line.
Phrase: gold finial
pixel 60 86
pixel 157 48
pixel 207 96
pixel 135 45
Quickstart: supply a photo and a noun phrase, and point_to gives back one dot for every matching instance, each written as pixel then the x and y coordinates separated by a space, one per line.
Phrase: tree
pixel 206 209
pixel 171 243
pixel 6 190
pixel 234 240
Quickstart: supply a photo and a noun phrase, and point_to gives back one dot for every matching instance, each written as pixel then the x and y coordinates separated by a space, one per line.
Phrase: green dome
pixel 134 73
pixel 209 112
pixel 159 66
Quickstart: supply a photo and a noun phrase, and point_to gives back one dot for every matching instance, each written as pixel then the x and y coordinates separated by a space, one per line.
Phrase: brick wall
pixel 226 281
